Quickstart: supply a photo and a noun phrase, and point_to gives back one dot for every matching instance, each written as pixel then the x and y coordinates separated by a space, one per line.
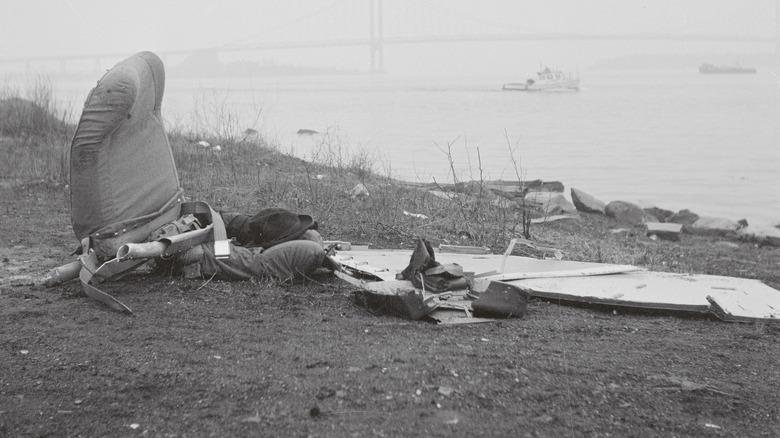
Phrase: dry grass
pixel 337 186
pixel 33 133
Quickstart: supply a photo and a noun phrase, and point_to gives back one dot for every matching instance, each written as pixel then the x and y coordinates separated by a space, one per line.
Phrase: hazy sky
pixel 63 27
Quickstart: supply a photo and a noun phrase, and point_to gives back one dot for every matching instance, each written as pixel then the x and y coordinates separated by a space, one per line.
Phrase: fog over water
pixel 646 126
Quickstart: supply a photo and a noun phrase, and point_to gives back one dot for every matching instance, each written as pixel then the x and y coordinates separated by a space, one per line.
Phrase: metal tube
pixel 61 274
pixel 134 251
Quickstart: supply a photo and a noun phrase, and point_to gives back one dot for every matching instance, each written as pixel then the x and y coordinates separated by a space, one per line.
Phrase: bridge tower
pixel 777 31
pixel 377 39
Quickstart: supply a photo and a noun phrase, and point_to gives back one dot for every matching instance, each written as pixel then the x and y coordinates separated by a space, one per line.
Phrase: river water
pixel 672 138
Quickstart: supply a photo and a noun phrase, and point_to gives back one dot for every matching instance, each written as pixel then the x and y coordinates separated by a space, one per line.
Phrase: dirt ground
pixel 254 359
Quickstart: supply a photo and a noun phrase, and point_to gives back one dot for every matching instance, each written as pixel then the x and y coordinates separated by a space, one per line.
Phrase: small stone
pixel 713 226
pixel 684 217
pixel 446 390
pixel 765 235
pixel 659 213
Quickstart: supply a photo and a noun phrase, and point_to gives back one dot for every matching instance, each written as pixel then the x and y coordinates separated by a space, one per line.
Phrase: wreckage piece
pixel 762 303
pixel 386 264
pixel 427 274
pixel 401 298
pixel 730 298
pixel 480 284
pixel 411 301
pixel 123 179
pixel 396 297
pixel 62 274
pixel 170 245
pixel 363 270
pixel 122 167
pixel 136 251
pixel 501 300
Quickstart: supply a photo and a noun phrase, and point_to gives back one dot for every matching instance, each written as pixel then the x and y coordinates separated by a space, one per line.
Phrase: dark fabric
pixel 267 228
pixel 501 300
pixel 272 226
pixel 288 261
pixel 237 227
pixel 424 270
pixel 422 259
pixel 405 303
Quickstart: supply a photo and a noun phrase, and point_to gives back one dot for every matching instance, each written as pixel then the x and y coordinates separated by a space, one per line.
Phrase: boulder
pixel 628 213
pixel 685 217
pixel 587 203
pixel 558 204
pixel 713 226
pixel 659 213
pixel 537 200
pixel 549 203
pixel 763 235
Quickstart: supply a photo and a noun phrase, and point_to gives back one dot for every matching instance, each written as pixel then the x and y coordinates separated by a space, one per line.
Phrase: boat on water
pixel 547 79
pixel 719 69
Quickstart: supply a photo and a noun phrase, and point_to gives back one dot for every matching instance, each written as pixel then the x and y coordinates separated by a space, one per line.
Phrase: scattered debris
pixel 360 190
pixel 464 249
pixel 415 215
pixel 665 231
pixel 253 419
pixel 729 298
pixel 544 248
pixel 446 390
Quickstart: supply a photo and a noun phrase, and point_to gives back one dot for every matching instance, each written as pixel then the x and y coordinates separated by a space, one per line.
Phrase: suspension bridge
pixel 382 24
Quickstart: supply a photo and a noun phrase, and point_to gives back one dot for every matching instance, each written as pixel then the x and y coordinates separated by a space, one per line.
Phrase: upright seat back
pixel 123 178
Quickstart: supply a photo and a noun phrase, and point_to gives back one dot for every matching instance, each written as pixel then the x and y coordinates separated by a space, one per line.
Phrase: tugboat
pixel 547 79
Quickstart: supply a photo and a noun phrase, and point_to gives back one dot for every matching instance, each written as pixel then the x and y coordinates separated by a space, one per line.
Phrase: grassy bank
pixel 339 187
pixel 34 132
pixel 351 201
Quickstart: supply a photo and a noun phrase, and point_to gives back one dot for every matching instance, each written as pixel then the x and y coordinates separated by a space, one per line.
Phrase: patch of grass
pixel 338 186
pixel 340 189
pixel 34 133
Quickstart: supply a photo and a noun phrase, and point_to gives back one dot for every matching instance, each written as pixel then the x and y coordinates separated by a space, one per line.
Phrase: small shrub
pixel 35 133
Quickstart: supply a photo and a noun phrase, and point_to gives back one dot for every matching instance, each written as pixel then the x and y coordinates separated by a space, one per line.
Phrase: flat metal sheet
pixel 385 264
pixel 742 304
pixel 738 298
pixel 730 298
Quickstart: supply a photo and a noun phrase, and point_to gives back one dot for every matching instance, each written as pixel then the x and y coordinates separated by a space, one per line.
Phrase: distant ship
pixel 547 79
pixel 716 69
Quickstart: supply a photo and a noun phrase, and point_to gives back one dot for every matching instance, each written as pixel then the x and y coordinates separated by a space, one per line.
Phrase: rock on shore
pixel 653 217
